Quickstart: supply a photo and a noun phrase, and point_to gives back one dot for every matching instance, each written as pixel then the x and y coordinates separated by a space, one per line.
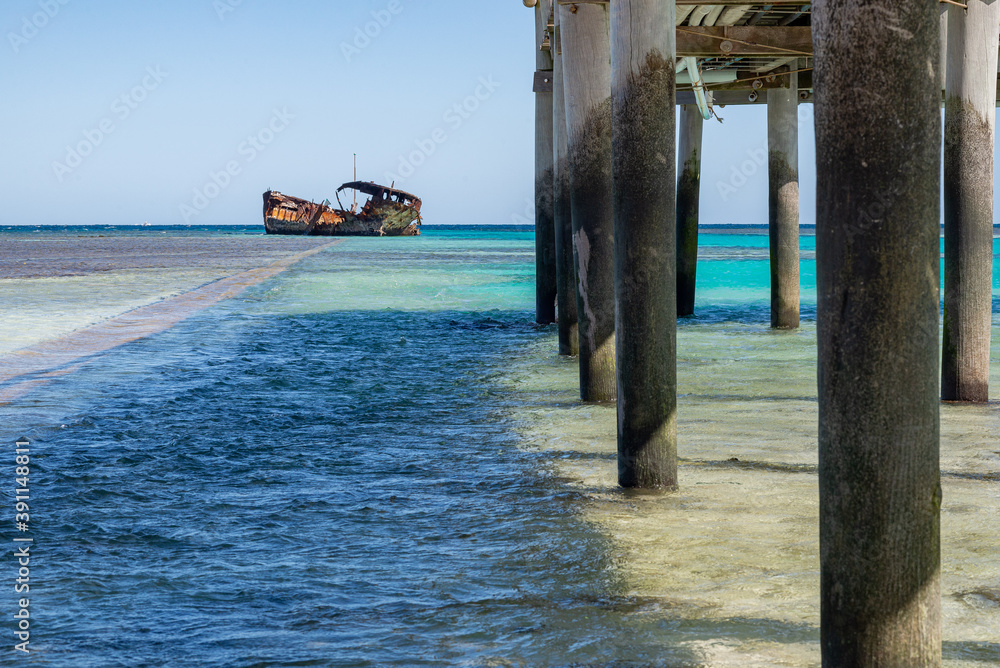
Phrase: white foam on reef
pixel 27 367
pixel 62 281
pixel 738 546
pixel 40 309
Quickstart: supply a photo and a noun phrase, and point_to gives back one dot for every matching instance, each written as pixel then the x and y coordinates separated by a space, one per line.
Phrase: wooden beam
pixel 681 3
pixel 720 41
pixel 749 81
pixel 726 98
pixel 715 41
pixel 773 3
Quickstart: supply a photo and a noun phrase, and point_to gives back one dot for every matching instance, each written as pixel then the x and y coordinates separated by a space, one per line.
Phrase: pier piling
pixel 569 335
pixel 783 201
pixel 688 194
pixel 545 241
pixel 877 248
pixel 642 127
pixel 969 119
pixel 585 34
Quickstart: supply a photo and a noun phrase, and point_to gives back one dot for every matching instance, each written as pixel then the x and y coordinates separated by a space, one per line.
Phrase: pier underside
pixel 741 49
pixel 877 253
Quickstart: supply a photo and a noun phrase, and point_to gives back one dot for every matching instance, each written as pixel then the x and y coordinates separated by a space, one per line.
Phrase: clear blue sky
pixel 201 77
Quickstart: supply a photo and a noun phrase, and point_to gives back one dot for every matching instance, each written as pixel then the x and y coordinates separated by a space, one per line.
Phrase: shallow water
pixel 375 458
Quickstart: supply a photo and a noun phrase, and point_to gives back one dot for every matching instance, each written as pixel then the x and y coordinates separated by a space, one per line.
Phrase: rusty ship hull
pixel 388 212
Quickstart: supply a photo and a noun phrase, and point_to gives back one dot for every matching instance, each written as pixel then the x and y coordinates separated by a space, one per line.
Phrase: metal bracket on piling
pixel 542 82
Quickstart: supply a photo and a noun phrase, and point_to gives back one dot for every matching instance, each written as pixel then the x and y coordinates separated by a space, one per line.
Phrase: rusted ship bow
pixel 387 212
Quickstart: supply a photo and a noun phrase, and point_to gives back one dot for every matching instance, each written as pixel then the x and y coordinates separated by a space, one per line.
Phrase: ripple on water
pixel 377 459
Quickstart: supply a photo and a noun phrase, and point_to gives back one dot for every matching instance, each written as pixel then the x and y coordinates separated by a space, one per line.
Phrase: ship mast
pixel 355 180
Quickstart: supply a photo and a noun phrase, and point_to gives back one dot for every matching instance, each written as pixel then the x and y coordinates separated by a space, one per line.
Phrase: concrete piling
pixel 642 63
pixel 878 274
pixel 545 241
pixel 569 335
pixel 585 34
pixel 783 201
pixel 969 119
pixel 688 194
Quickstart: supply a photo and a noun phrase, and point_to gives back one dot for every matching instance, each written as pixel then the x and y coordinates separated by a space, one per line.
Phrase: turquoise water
pixel 377 458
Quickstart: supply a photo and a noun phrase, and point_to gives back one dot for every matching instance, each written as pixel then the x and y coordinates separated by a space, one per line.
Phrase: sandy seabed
pixel 738 545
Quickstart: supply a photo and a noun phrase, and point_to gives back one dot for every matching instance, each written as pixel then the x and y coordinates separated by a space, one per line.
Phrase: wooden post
pixel 585 32
pixel 545 240
pixel 969 118
pixel 783 201
pixel 643 52
pixel 688 192
pixel 569 335
pixel 878 272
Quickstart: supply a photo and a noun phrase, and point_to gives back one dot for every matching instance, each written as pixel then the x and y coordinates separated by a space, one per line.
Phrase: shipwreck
pixel 386 212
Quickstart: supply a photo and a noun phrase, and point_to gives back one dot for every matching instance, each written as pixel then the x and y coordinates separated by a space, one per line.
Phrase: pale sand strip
pixel 25 369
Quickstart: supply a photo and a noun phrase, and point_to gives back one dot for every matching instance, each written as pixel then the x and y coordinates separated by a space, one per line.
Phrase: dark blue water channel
pixel 328 471
pixel 288 480
pixel 323 489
